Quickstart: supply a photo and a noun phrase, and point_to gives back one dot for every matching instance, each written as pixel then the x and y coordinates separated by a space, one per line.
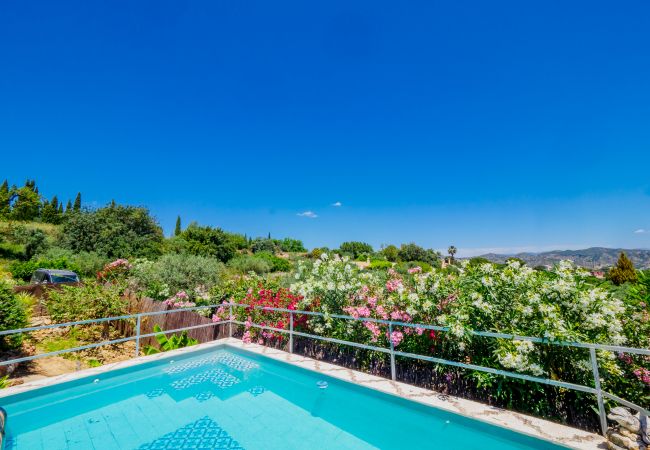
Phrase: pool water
pixel 225 398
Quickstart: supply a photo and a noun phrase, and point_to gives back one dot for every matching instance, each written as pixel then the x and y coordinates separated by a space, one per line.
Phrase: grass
pixel 50 229
pixel 54 344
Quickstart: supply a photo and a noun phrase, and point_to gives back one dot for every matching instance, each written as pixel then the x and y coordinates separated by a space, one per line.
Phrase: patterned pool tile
pixel 203 434
pixel 257 390
pixel 217 377
pixel 224 358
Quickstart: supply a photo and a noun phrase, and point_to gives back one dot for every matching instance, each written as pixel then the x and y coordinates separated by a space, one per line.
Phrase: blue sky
pixel 488 125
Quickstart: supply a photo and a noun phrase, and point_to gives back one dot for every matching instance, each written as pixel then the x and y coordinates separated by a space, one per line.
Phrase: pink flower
pixel 246 338
pixel 416 269
pixel 382 313
pixel 393 284
pixel 372 301
pixel 396 337
pixel 363 311
pixel 352 311
pixel 248 323
pixel 260 341
pixel 374 329
pixel 643 375
pixel 419 331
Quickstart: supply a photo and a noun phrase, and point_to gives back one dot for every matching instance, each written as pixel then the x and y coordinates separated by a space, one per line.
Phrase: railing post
pixel 137 335
pixel 392 352
pixel 291 332
pixel 230 321
pixel 599 391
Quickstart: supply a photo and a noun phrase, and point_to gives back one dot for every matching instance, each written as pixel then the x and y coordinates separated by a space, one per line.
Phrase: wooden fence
pixel 169 321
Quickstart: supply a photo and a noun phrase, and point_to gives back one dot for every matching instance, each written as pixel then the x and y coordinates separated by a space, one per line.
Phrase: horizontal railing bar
pixel 615 348
pixel 103 319
pixel 504 373
pixel 100 344
pixel 626 403
pixel 314 336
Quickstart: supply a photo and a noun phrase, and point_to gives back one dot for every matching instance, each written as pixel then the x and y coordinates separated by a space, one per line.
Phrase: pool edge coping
pixel 532 426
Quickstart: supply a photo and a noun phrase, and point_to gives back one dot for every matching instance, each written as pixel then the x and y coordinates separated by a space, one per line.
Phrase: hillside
pixel 594 257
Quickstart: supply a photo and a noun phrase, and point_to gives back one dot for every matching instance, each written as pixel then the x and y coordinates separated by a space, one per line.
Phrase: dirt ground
pixel 44 341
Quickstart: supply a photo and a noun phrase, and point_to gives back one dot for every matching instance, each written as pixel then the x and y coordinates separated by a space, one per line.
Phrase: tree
pixel 50 211
pixel 391 253
pixel 77 203
pixel 413 252
pixel 5 200
pixel 178 229
pixel 623 271
pixel 292 245
pixel 264 245
pixel 68 207
pixel 356 248
pixel 27 203
pixel 452 251
pixel 114 231
pixel 208 241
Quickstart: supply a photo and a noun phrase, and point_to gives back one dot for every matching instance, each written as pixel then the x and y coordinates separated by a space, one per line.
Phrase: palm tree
pixel 452 251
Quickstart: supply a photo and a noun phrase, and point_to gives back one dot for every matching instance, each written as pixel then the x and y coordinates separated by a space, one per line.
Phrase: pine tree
pixel 178 229
pixel 623 271
pixel 5 200
pixel 77 203
pixel 61 211
pixel 50 211
pixel 68 207
pixel 28 202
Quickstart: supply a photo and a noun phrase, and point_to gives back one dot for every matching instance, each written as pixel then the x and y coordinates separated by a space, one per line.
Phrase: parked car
pixel 54 276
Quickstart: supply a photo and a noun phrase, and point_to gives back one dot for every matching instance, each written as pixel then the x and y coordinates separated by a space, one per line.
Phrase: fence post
pixel 137 335
pixel 599 391
pixel 291 332
pixel 392 351
pixel 230 321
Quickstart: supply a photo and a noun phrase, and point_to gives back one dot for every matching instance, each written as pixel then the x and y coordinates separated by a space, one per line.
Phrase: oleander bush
pixel 562 304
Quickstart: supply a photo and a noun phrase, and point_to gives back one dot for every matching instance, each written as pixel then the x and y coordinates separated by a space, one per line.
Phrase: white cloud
pixel 337 204
pixel 309 214
pixel 640 231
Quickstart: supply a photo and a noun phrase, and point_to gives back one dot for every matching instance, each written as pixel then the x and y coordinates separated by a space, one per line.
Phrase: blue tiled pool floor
pixel 228 399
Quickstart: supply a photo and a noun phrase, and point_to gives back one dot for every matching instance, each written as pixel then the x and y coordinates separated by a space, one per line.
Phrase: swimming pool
pixel 227 398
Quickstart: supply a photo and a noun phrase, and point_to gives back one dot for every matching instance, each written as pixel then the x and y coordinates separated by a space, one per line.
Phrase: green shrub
pixel 115 231
pixel 264 245
pixel 245 263
pixel 413 252
pixel 378 264
pixel 86 263
pixel 23 270
pixel 277 264
pixel 172 273
pixel 292 245
pixel 355 249
pixel 12 316
pixel 89 301
pixel 209 242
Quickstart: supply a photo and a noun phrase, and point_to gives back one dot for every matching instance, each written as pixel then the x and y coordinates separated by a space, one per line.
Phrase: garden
pixel 121 253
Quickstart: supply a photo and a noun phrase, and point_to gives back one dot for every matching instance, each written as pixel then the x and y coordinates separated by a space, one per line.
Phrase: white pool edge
pixel 532 426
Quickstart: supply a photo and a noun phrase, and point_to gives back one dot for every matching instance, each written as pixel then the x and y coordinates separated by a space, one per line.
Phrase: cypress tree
pixel 5 200
pixel 68 207
pixel 178 229
pixel 77 203
pixel 623 271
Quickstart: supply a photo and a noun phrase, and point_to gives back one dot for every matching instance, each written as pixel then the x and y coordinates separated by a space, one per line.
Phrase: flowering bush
pixel 280 298
pixel 114 270
pixel 179 300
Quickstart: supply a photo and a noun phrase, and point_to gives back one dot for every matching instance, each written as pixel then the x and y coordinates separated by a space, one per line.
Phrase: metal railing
pixel 593 348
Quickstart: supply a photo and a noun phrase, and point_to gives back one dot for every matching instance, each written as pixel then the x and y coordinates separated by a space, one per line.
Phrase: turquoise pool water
pixel 226 398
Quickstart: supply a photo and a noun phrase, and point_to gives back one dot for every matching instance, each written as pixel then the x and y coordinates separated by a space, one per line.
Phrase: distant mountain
pixel 593 258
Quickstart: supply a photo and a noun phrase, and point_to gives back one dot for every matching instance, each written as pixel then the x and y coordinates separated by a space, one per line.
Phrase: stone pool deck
pixel 550 431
